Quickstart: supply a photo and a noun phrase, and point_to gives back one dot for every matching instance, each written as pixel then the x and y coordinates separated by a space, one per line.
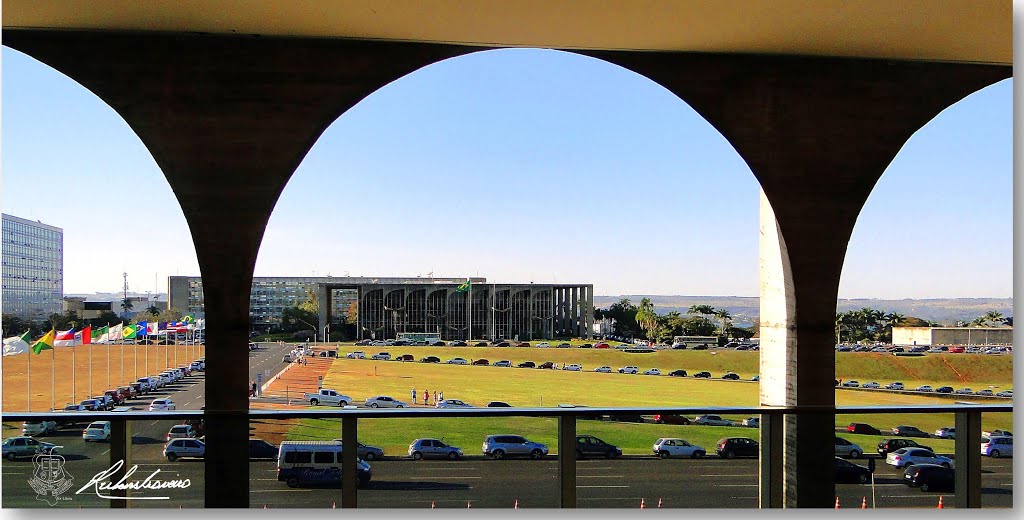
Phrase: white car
pixel 453 403
pixel 629 370
pixel 894 386
pixel 33 428
pixel 502 363
pixel 542 344
pixel 384 401
pixel 574 367
pixel 605 369
pixel 457 361
pixel 909 456
pixel 97 431
pixel 997 446
pixel 162 405
pixel 985 391
pixel 964 391
pixel 1005 393
pixel 851 384
pixel 359 354
pixel 382 356
pixel 712 420
pixel 923 388
pixel 872 384
pixel 845 448
pixel 652 372
pixel 946 433
pixel 670 447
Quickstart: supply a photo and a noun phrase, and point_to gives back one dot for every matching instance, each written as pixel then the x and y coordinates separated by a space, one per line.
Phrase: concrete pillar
pixel 574 323
pixel 323 296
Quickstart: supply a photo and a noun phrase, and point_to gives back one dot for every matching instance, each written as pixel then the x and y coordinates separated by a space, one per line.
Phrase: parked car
pixel 671 419
pixel 430 359
pixel 629 370
pixel 181 431
pixel 327 396
pixel 406 357
pixel 358 354
pixel 602 345
pixel 162 405
pixel 912 456
pixel 752 422
pixel 930 477
pixel 712 420
pixel 997 433
pixel 480 344
pixel 677 373
pixel 731 376
pixel 706 375
pixel 543 344
pixel 851 384
pixel 547 364
pixel 365 452
pixel 985 392
pixel 850 473
pixel 605 369
pixel 908 431
pixel 457 344
pixel 433 449
pixel 384 401
pixel 453 403
pixel 845 448
pixel 14 447
pixel 381 356
pixel 997 446
pixel 527 364
pixel 672 447
pixel 946 433
pixel 964 391
pixel 923 388
pixel 38 428
pixel 523 344
pixel 871 384
pixel 504 363
pixel 729 447
pixel 97 431
pixel 478 362
pixel 457 361
pixel 501 446
pixel 890 445
pixel 498 404
pixel 1005 393
pixel 944 390
pixel 93 405
pixel 652 372
pixel 896 385
pixel 563 345
pixel 178 448
pixel 573 367
pixel 590 446
pixel 261 449
pixel 864 429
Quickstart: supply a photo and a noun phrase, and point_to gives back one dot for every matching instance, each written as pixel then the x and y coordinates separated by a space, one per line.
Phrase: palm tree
pixel 153 310
pixel 895 319
pixel 993 317
pixel 126 305
pixel 703 310
pixel 724 316
pixel 646 317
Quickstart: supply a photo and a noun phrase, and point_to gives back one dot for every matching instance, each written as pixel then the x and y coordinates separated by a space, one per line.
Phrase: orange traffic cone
pixel 837 502
pixel 940 503
pixel 863 502
pixel 642 506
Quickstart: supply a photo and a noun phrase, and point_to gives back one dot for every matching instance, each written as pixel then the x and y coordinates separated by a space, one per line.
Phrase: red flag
pixel 87 335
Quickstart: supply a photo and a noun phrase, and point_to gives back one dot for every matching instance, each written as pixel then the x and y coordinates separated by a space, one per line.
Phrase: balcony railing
pixel 966 452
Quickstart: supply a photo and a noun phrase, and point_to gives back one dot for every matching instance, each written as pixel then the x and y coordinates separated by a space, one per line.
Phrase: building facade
pixel 33 268
pixel 383 307
pixel 928 336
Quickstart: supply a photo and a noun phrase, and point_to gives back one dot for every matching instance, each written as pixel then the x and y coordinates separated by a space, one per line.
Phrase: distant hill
pixel 746 309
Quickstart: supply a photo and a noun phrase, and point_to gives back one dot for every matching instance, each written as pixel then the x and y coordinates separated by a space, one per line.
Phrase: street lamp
pixel 311 325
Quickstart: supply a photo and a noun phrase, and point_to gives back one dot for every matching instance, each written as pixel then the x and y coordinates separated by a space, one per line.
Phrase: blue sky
pixel 518 165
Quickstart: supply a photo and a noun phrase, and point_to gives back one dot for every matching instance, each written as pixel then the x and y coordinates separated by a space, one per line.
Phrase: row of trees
pixel 867 324
pixel 644 322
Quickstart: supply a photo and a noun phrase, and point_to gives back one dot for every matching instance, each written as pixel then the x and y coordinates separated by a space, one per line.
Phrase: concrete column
pixel 574 323
pixel 324 297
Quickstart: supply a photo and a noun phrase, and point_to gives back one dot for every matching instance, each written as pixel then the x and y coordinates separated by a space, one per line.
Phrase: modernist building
pixel 33 268
pixel 386 307
pixel 911 336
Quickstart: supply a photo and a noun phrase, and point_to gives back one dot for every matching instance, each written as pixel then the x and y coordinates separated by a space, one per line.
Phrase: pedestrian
pixel 254 389
pixel 414 395
pixel 426 395
pixel 435 396
pixel 442 395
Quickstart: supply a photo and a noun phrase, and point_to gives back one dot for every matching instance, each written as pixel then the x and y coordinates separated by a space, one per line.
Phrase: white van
pixel 315 462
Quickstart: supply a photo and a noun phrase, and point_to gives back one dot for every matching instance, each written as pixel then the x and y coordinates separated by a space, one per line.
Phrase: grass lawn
pixel 530 387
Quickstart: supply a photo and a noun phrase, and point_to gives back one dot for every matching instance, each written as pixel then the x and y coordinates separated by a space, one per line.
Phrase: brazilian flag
pixel 464 287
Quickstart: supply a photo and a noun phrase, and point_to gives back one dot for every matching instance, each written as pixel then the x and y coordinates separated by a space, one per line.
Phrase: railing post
pixel 120 452
pixel 968 459
pixel 770 460
pixel 349 479
pixel 567 459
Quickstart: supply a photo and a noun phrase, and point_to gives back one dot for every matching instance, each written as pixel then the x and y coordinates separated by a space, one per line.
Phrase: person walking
pixel 441 395
pixel 426 395
pixel 414 395
pixel 435 397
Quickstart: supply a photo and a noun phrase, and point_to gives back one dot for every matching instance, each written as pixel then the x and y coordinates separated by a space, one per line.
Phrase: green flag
pixel 44 343
pixel 128 332
pixel 190 318
pixel 100 335
pixel 464 287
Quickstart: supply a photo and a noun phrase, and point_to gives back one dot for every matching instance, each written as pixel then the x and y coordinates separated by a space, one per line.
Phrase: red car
pixel 671 419
pixel 602 345
pixel 482 362
pixel 956 350
pixel 115 396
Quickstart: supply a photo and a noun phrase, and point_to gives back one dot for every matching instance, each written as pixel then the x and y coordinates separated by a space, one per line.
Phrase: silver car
pixel 845 448
pixel 433 449
pixel 178 448
pixel 501 446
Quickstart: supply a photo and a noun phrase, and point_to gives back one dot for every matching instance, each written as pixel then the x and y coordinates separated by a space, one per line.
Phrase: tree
pixel 105 318
pixel 127 305
pixel 153 310
pixel 725 317
pixel 646 318
pixel 703 310
pixel 15 326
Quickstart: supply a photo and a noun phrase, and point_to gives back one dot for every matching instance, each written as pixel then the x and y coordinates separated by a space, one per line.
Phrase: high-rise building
pixel 33 268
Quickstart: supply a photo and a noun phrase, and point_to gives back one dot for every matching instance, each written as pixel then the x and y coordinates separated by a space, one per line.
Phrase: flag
pixel 84 336
pixel 141 328
pixel 100 335
pixel 189 318
pixel 17 344
pixel 114 335
pixel 44 343
pixel 65 339
pixel 152 329
pixel 128 332
pixel 464 287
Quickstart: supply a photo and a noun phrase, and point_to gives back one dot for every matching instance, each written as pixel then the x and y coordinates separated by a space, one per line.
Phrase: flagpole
pixel 28 383
pixel 90 367
pixel 53 378
pixel 74 382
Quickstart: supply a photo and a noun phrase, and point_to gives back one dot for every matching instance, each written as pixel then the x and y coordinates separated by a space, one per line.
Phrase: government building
pixel 33 268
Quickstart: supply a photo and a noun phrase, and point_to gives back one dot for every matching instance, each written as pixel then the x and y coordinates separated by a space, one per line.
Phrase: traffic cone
pixel 642 503
pixel 863 502
pixel 940 503
pixel 837 502
pixel 659 503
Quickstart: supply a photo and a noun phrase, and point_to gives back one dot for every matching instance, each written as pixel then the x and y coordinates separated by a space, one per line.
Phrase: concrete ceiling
pixel 943 30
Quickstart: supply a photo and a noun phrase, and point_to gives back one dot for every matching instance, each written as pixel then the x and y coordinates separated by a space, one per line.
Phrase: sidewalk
pixel 290 386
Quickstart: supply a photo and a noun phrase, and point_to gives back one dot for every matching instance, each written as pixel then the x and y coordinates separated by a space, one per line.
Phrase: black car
pixel 944 390
pixel 362 343
pixel 457 344
pixel 590 446
pixel 702 346
pixel 502 344
pixel 850 473
pixel 563 345
pixel 909 431
pixel 498 404
pixel 431 359
pixel 702 374
pixel 929 477
pixel 586 345
pixel 679 346
pixel 480 344
pixel 678 373
pixel 888 446
pixel 626 417
pixel 729 447
pixel 437 343
pixel 527 364
pixel 731 376
pixel 261 449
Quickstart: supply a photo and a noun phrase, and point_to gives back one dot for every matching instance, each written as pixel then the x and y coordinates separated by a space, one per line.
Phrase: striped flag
pixel 64 339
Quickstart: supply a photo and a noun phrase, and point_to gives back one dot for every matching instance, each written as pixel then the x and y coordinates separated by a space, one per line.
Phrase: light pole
pixel 311 325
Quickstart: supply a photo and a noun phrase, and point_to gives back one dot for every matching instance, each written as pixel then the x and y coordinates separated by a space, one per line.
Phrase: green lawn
pixel 530 387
